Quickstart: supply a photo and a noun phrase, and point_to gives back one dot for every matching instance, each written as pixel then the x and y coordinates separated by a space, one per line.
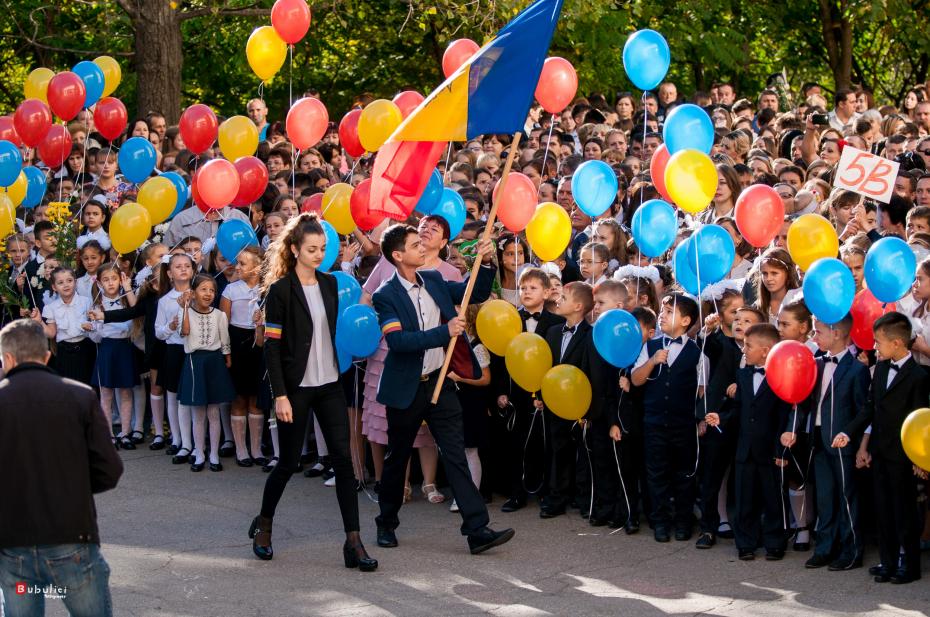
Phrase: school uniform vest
pixel 668 395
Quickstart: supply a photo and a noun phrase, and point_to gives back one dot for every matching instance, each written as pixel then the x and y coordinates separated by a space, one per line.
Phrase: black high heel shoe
pixel 356 556
pixel 261 526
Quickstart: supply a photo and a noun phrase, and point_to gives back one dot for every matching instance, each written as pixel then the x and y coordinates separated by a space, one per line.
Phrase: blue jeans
pixel 75 573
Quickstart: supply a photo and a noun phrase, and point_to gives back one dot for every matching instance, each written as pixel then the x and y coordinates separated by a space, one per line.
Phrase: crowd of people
pixel 172 336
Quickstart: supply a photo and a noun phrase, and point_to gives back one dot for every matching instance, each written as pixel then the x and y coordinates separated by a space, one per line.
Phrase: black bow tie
pixel 831 360
pixel 672 341
pixel 527 315
pixel 567 330
pixel 893 367
pixel 759 370
pixel 820 354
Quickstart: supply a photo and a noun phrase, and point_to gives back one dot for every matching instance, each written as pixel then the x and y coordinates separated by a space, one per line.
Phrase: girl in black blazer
pixel 300 350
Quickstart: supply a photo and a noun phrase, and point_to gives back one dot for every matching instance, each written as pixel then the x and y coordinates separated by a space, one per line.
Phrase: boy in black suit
pixel 759 419
pixel 572 344
pixel 522 463
pixel 668 369
pixel 899 386
pixel 838 396
pixel 38 279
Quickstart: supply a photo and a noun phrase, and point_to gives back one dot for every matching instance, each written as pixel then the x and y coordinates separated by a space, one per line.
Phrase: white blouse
pixel 321 363
pixel 68 317
pixel 243 302
pixel 208 331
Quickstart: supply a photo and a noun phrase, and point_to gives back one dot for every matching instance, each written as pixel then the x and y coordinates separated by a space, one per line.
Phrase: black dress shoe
pixel 244 462
pixel 315 471
pixel 662 535
pixel 172 450
pixel 597 521
pixel 183 456
pixel 551 511
pixel 197 466
pixel 270 465
pixel 902 577
pixel 877 569
pixel 355 556
pixel 386 538
pixel 261 461
pixel 707 540
pixel 513 504
pixel 216 466
pixel 631 527
pixel 158 443
pixel 845 563
pixel 774 554
pixel 227 449
pixel 881 578
pixel 726 534
pixel 487 538
pixel 260 532
pixel 746 555
pixel 683 534
pixel 817 561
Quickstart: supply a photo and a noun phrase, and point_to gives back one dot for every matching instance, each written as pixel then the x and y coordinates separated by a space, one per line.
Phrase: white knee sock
pixel 225 409
pixel 213 415
pixel 158 413
pixel 321 448
pixel 256 420
pixel 138 407
pixel 184 425
pixel 106 403
pixel 238 431
pixel 474 465
pixel 171 406
pixel 800 512
pixel 200 431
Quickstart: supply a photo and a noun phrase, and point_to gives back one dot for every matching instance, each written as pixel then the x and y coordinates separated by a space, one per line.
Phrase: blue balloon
pixel 93 80
pixel 136 159
pixel 618 337
pixel 655 226
pixel 829 289
pixel 890 268
pixel 232 236
pixel 11 163
pixel 349 291
pixel 181 187
pixel 345 361
pixel 451 207
pixel 684 275
pixel 357 331
pixel 646 58
pixel 594 187
pixel 35 186
pixel 431 194
pixel 711 253
pixel 331 253
pixel 688 127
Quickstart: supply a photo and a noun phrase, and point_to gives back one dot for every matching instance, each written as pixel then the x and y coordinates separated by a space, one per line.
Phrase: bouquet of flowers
pixel 60 215
pixel 9 294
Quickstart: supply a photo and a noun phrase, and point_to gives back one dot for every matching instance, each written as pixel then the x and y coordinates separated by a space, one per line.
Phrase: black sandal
pixel 139 439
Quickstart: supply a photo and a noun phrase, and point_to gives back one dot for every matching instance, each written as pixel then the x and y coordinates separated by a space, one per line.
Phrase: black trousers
pixel 603 467
pixel 632 478
pixel 444 420
pixel 837 527
pixel 562 454
pixel 759 510
pixel 524 450
pixel 671 452
pixel 329 404
pixel 717 452
pixel 899 522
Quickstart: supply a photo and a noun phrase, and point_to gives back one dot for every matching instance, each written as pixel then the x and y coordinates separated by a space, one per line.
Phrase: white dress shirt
pixel 68 317
pixel 428 317
pixel 895 367
pixel 829 368
pixel 321 363
pixel 757 379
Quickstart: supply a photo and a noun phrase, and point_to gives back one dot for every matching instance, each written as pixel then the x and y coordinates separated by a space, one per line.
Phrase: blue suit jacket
pixel 407 343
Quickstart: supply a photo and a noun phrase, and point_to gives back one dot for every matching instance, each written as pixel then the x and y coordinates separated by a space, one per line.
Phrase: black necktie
pixel 567 330
pixel 831 360
pixel 759 370
pixel 527 315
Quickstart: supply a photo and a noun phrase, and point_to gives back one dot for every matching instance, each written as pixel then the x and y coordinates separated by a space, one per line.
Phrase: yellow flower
pixel 59 213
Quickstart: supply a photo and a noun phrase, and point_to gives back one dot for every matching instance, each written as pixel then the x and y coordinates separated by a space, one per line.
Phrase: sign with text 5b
pixel 866 174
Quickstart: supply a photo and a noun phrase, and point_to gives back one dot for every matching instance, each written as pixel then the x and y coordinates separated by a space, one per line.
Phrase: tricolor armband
pixel 272 330
pixel 392 325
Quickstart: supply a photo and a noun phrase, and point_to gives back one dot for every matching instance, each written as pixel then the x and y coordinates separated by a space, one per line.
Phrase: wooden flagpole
pixel 488 229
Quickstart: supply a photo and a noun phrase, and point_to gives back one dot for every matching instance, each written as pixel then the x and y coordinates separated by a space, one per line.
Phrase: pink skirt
pixel 374 415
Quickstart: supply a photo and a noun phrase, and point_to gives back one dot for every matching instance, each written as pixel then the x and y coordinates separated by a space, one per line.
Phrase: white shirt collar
pixel 901 362
pixel 839 357
pixel 407 284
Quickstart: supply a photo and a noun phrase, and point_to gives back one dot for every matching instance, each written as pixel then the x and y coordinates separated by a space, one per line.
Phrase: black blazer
pixel 289 329
pixel 725 368
pixel 501 382
pixel 55 453
pixel 887 407
pixel 759 420
pixel 582 354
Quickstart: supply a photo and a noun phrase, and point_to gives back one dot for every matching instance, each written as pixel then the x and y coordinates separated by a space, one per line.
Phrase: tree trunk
pixel 837 37
pixel 158 59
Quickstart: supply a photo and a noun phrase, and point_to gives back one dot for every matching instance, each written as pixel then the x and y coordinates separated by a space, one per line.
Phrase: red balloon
pixel 348 134
pixel 866 308
pixel 657 171
pixel 55 147
pixel 32 121
pixel 306 122
pixel 218 183
pixel 290 19
pixel 110 117
pixel 253 179
pixel 66 94
pixel 358 206
pixel 517 204
pixel 791 371
pixel 759 214
pixel 8 131
pixel 195 193
pixel 198 127
pixel 314 203
pixel 457 53
pixel 557 84
pixel 407 101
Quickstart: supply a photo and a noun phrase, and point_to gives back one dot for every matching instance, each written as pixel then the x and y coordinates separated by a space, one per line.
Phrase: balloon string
pixel 546 154
pixel 63 168
pixel 448 155
pixel 642 189
pixel 290 77
pixel 94 186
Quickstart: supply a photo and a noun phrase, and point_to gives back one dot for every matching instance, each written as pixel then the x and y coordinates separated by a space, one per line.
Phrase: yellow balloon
pixel 549 231
pixel 336 210
pixel 36 84
pixel 378 121
pixel 915 437
pixel 158 196
pixel 129 227
pixel 17 190
pixel 238 137
pixel 497 323
pixel 528 357
pixel 691 180
pixel 266 52
pixel 112 73
pixel 566 392
pixel 811 237
pixel 7 216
